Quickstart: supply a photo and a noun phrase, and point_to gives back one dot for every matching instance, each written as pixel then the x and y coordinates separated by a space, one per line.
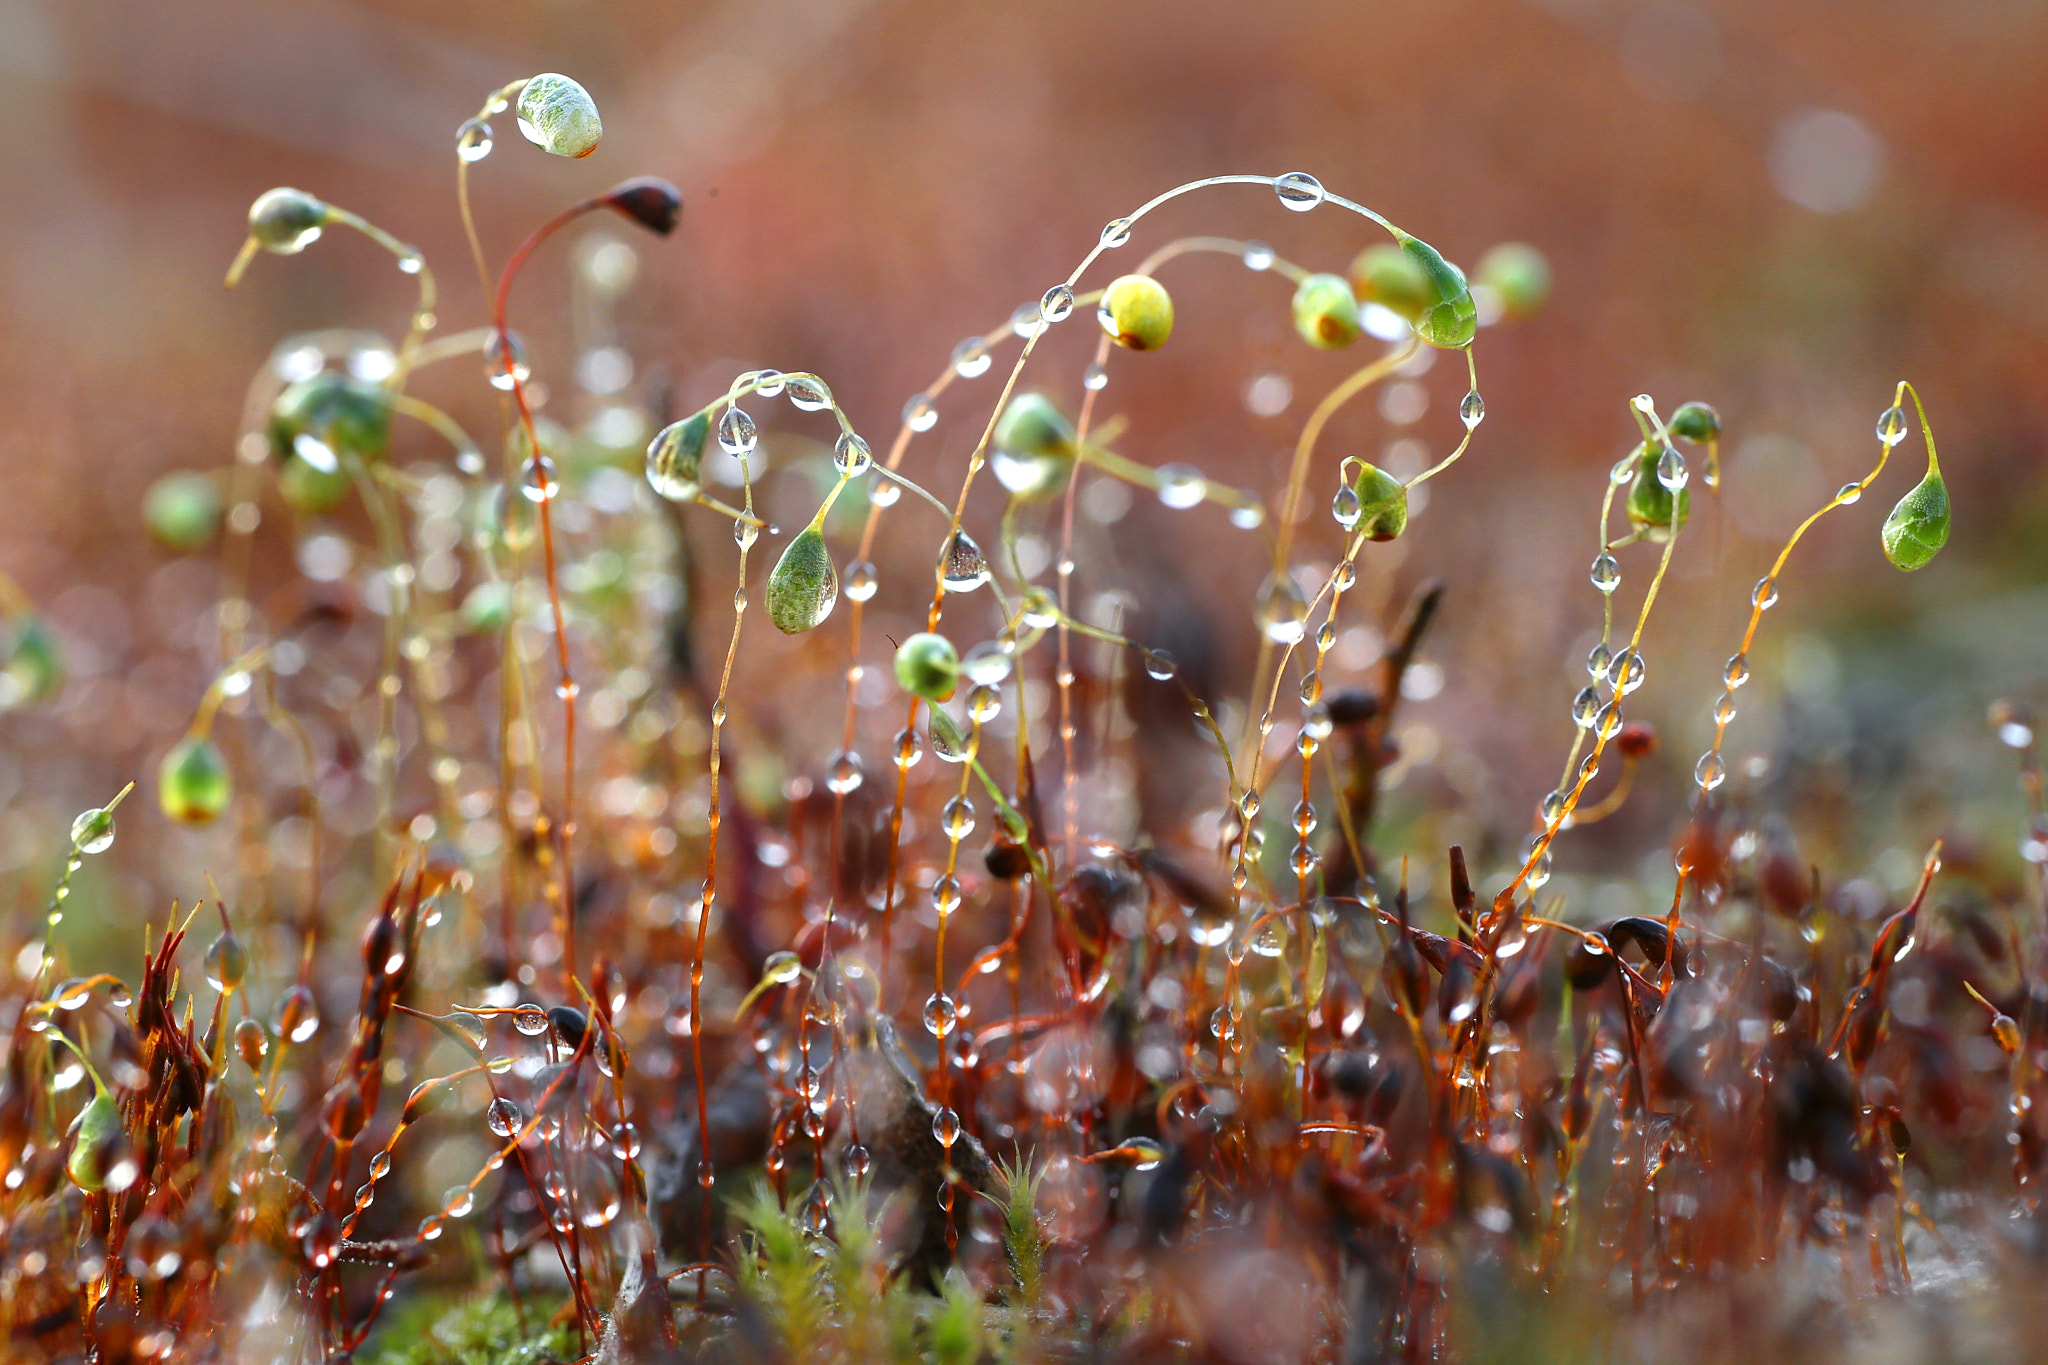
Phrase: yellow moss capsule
pixel 1390 277
pixel 1326 312
pixel 1137 313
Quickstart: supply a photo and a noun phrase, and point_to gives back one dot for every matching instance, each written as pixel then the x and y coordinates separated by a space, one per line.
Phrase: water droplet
pixel 1258 256
pixel 1671 471
pixel 1606 573
pixel 1345 508
pixel 965 568
pixel 1627 672
pixel 909 749
pixel 1472 410
pixel 1095 378
pixel 1848 493
pixel 1298 190
pixel 1891 425
pixel 1282 610
pixel 1598 661
pixel 539 483
pixel 844 773
pixel 987 662
pixel 1737 671
pixel 958 818
pixel 1724 709
pixel 1058 304
pixel 850 454
pixel 737 435
pixel 1160 665
pixel 1710 771
pixel 808 393
pixel 1550 808
pixel 919 414
pixel 93 831
pixel 940 1015
pixel 1116 232
pixel 1608 720
pixel 458 1201
pixel 861 580
pixel 971 359
pixel 298 1016
pixel 1585 706
pixel 1026 321
pixel 1766 594
pixel 496 364
pixel 503 1117
pixel 473 140
pixel 767 383
pixel 984 703
pixel 1181 486
pixel 856 1162
pixel 946 1127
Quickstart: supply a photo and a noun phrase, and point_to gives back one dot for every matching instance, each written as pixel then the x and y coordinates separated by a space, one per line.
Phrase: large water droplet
pixel 1671 470
pixel 808 393
pixel 1891 425
pixel 1116 232
pixel 1472 409
pixel 1181 486
pixel 1282 610
pixel 965 569
pixel 1298 190
pixel 1606 572
pixel 473 140
pixel 1058 304
pixel 737 435
pixel 851 456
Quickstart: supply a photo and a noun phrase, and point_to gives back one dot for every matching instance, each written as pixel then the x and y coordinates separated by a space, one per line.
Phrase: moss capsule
pixel 1695 422
pixel 33 671
pixel 182 511
pixel 928 666
pixel 675 458
pixel 1137 313
pixel 287 221
pixel 1918 527
pixel 1652 506
pixel 804 585
pixel 1518 275
pixel 1390 277
pixel 653 203
pixel 1033 448
pixel 1448 319
pixel 1382 502
pixel 327 416
pixel 94 1137
pixel 193 785
pixel 558 115
pixel 1326 312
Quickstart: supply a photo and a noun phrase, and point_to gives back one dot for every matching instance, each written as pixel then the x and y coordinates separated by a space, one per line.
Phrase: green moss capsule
pixel 327 416
pixel 804 585
pixel 928 666
pixel 1326 312
pixel 1033 449
pixel 1695 422
pixel 1137 312
pixel 182 511
pixel 1652 506
pixel 675 458
pixel 34 668
pixel 94 1138
pixel 1518 275
pixel 558 115
pixel 311 490
pixel 1388 276
pixel 193 784
pixel 1918 527
pixel 1382 503
pixel 287 221
pixel 1448 319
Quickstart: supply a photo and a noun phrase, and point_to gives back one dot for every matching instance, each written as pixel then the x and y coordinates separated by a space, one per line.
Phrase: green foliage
pixel 484 1330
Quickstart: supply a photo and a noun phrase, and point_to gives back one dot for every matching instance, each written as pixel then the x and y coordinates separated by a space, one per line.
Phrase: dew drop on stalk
pixel 1627 672
pixel 1606 572
pixel 971 359
pixel 495 350
pixel 737 435
pixel 1608 720
pixel 298 1016
pixel 1766 594
pixel 988 662
pixel 856 1162
pixel 538 482
pixel 1160 665
pixel 1585 706
pixel 1095 378
pixel 1298 190
pixel 1671 471
pixel 1598 661
pixel 851 456
pixel 1181 486
pixel 965 568
pixel 1116 232
pixel 458 1202
pixel 1058 304
pixel 380 1165
pixel 93 831
pixel 473 140
pixel 941 1014
pixel 1891 425
pixel 946 1127
pixel 1710 771
pixel 861 580
pixel 1472 410
pixel 1550 808
pixel 530 1020
pixel 808 393
pixel 1345 508
pixel 503 1117
pixel 1724 709
pixel 744 534
pixel 767 383
pixel 919 414
pixel 1282 610
pixel 1258 256
pixel 1026 321
pixel 1848 493
pixel 908 749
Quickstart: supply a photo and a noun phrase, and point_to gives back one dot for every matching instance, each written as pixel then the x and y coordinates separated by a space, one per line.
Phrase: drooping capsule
pixel 31 662
pixel 804 584
pixel 1137 313
pixel 1449 319
pixel 1695 422
pixel 651 202
pixel 287 221
pixel 1388 276
pixel 928 666
pixel 1519 276
pixel 193 785
pixel 675 458
pixel 95 1137
pixel 558 115
pixel 327 416
pixel 182 511
pixel 1382 503
pixel 1918 527
pixel 1326 312
pixel 1651 505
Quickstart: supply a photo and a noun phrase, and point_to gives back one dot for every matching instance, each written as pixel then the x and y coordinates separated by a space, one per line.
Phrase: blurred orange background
pixel 1781 209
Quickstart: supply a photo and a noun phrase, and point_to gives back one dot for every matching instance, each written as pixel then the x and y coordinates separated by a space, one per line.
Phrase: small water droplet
pixel 1710 771
pixel 1585 706
pixel 1891 425
pixel 1298 190
pixel 1472 410
pixel 1181 486
pixel 503 1117
pixel 941 1014
pixel 1765 595
pixel 1095 378
pixel 737 435
pixel 861 580
pixel 1606 572
pixel 1116 232
pixel 473 140
pixel 808 393
pixel 1160 665
pixel 539 483
pixel 1345 508
pixel 1282 610
pixel 505 374
pixel 919 414
pixel 767 383
pixel 971 359
pixel 1627 672
pixel 1258 256
pixel 946 1127
pixel 965 569
pixel 1058 304
pixel 1737 671
pixel 1848 493
pixel 1671 471
pixel 856 1162
pixel 1598 660
pixel 850 454
pixel 844 773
